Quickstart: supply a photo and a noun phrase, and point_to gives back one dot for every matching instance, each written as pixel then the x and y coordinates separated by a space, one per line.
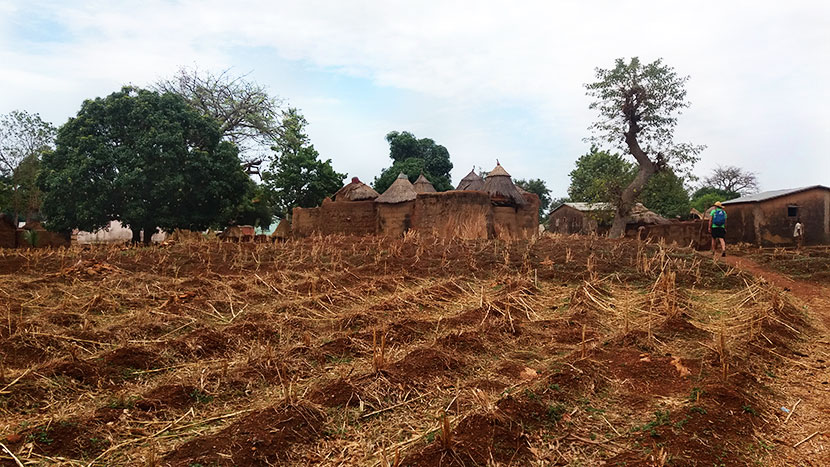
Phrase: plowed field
pixel 412 351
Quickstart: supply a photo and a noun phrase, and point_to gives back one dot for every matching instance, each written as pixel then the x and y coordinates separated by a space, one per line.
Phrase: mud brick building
pixel 596 218
pixel 768 218
pixel 495 209
pixel 8 232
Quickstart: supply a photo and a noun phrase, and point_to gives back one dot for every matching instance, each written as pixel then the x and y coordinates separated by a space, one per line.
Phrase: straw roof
pixel 400 191
pixel 355 191
pixel 500 187
pixel 471 182
pixel 422 185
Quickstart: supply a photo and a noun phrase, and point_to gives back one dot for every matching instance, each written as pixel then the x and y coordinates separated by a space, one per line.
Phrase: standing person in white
pixel 798 233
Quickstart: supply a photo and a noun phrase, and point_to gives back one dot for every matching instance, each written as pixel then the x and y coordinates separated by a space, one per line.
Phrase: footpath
pixel 803 435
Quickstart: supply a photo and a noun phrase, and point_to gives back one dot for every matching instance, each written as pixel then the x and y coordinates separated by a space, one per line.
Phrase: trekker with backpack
pixel 717 227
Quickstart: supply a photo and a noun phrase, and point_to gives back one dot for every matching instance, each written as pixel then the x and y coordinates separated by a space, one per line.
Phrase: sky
pixel 488 80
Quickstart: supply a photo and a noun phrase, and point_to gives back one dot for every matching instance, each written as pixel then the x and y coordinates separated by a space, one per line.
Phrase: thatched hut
pixel 395 206
pixel 282 232
pixel 355 191
pixel 422 185
pixel 499 185
pixel 471 182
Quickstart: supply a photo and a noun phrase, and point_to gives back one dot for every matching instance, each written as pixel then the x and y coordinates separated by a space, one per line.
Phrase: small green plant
pixel 699 410
pixel 338 360
pixel 531 395
pixel 200 397
pixel 555 387
pixel 696 393
pixel 31 237
pixel 660 418
pixel 41 436
pixel 555 412
pixel 747 409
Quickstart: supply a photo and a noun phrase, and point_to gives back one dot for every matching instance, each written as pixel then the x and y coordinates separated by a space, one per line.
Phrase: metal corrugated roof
pixel 765 195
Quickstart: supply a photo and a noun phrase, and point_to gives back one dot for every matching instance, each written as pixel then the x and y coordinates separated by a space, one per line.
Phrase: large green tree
pixel 296 176
pixel 414 156
pixel 666 194
pixel 705 197
pixel 27 196
pixel 248 115
pixel 601 176
pixel 23 136
pixel 144 158
pixel 638 107
pixel 540 188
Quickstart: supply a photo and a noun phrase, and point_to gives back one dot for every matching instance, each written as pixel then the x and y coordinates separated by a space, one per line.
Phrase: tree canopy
pixel 731 179
pixel 705 197
pixel 296 176
pixel 638 107
pixel 248 115
pixel 665 193
pixel 413 156
pixel 147 159
pixel 601 177
pixel 540 188
pixel 23 136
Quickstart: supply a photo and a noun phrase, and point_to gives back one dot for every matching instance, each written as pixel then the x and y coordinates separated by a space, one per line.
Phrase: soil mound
pixel 264 437
pixel 170 397
pixel 423 364
pixel 338 393
pixel 479 439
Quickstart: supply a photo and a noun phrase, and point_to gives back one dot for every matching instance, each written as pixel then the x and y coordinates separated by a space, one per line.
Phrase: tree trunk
pixel 136 235
pixel 627 199
pixel 148 235
pixel 647 168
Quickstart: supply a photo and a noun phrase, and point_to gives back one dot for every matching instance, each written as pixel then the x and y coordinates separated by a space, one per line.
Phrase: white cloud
pixel 759 71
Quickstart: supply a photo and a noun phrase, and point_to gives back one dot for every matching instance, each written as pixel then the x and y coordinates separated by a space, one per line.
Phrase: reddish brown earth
pixel 244 354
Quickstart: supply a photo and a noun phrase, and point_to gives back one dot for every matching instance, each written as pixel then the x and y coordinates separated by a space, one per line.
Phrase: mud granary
pixel 768 218
pixel 493 207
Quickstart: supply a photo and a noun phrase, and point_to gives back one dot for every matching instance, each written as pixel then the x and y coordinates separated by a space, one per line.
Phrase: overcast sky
pixel 486 79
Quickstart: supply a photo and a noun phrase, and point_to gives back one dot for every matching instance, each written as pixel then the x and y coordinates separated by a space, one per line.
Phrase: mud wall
pixel 45 239
pixel 305 221
pixel 506 222
pixel 527 216
pixel 771 222
pixel 349 217
pixel 7 234
pixel 336 217
pixel 688 233
pixel 567 220
pixel 462 214
pixel 394 219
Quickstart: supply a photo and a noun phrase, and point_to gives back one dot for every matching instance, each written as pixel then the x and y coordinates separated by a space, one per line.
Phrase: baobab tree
pixel 638 107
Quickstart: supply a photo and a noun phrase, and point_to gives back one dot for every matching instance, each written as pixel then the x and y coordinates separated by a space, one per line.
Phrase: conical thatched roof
pixel 472 182
pixel 422 185
pixel 400 191
pixel 355 191
pixel 501 189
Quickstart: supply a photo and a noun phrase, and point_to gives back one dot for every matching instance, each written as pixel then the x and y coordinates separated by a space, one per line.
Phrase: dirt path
pixel 805 378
